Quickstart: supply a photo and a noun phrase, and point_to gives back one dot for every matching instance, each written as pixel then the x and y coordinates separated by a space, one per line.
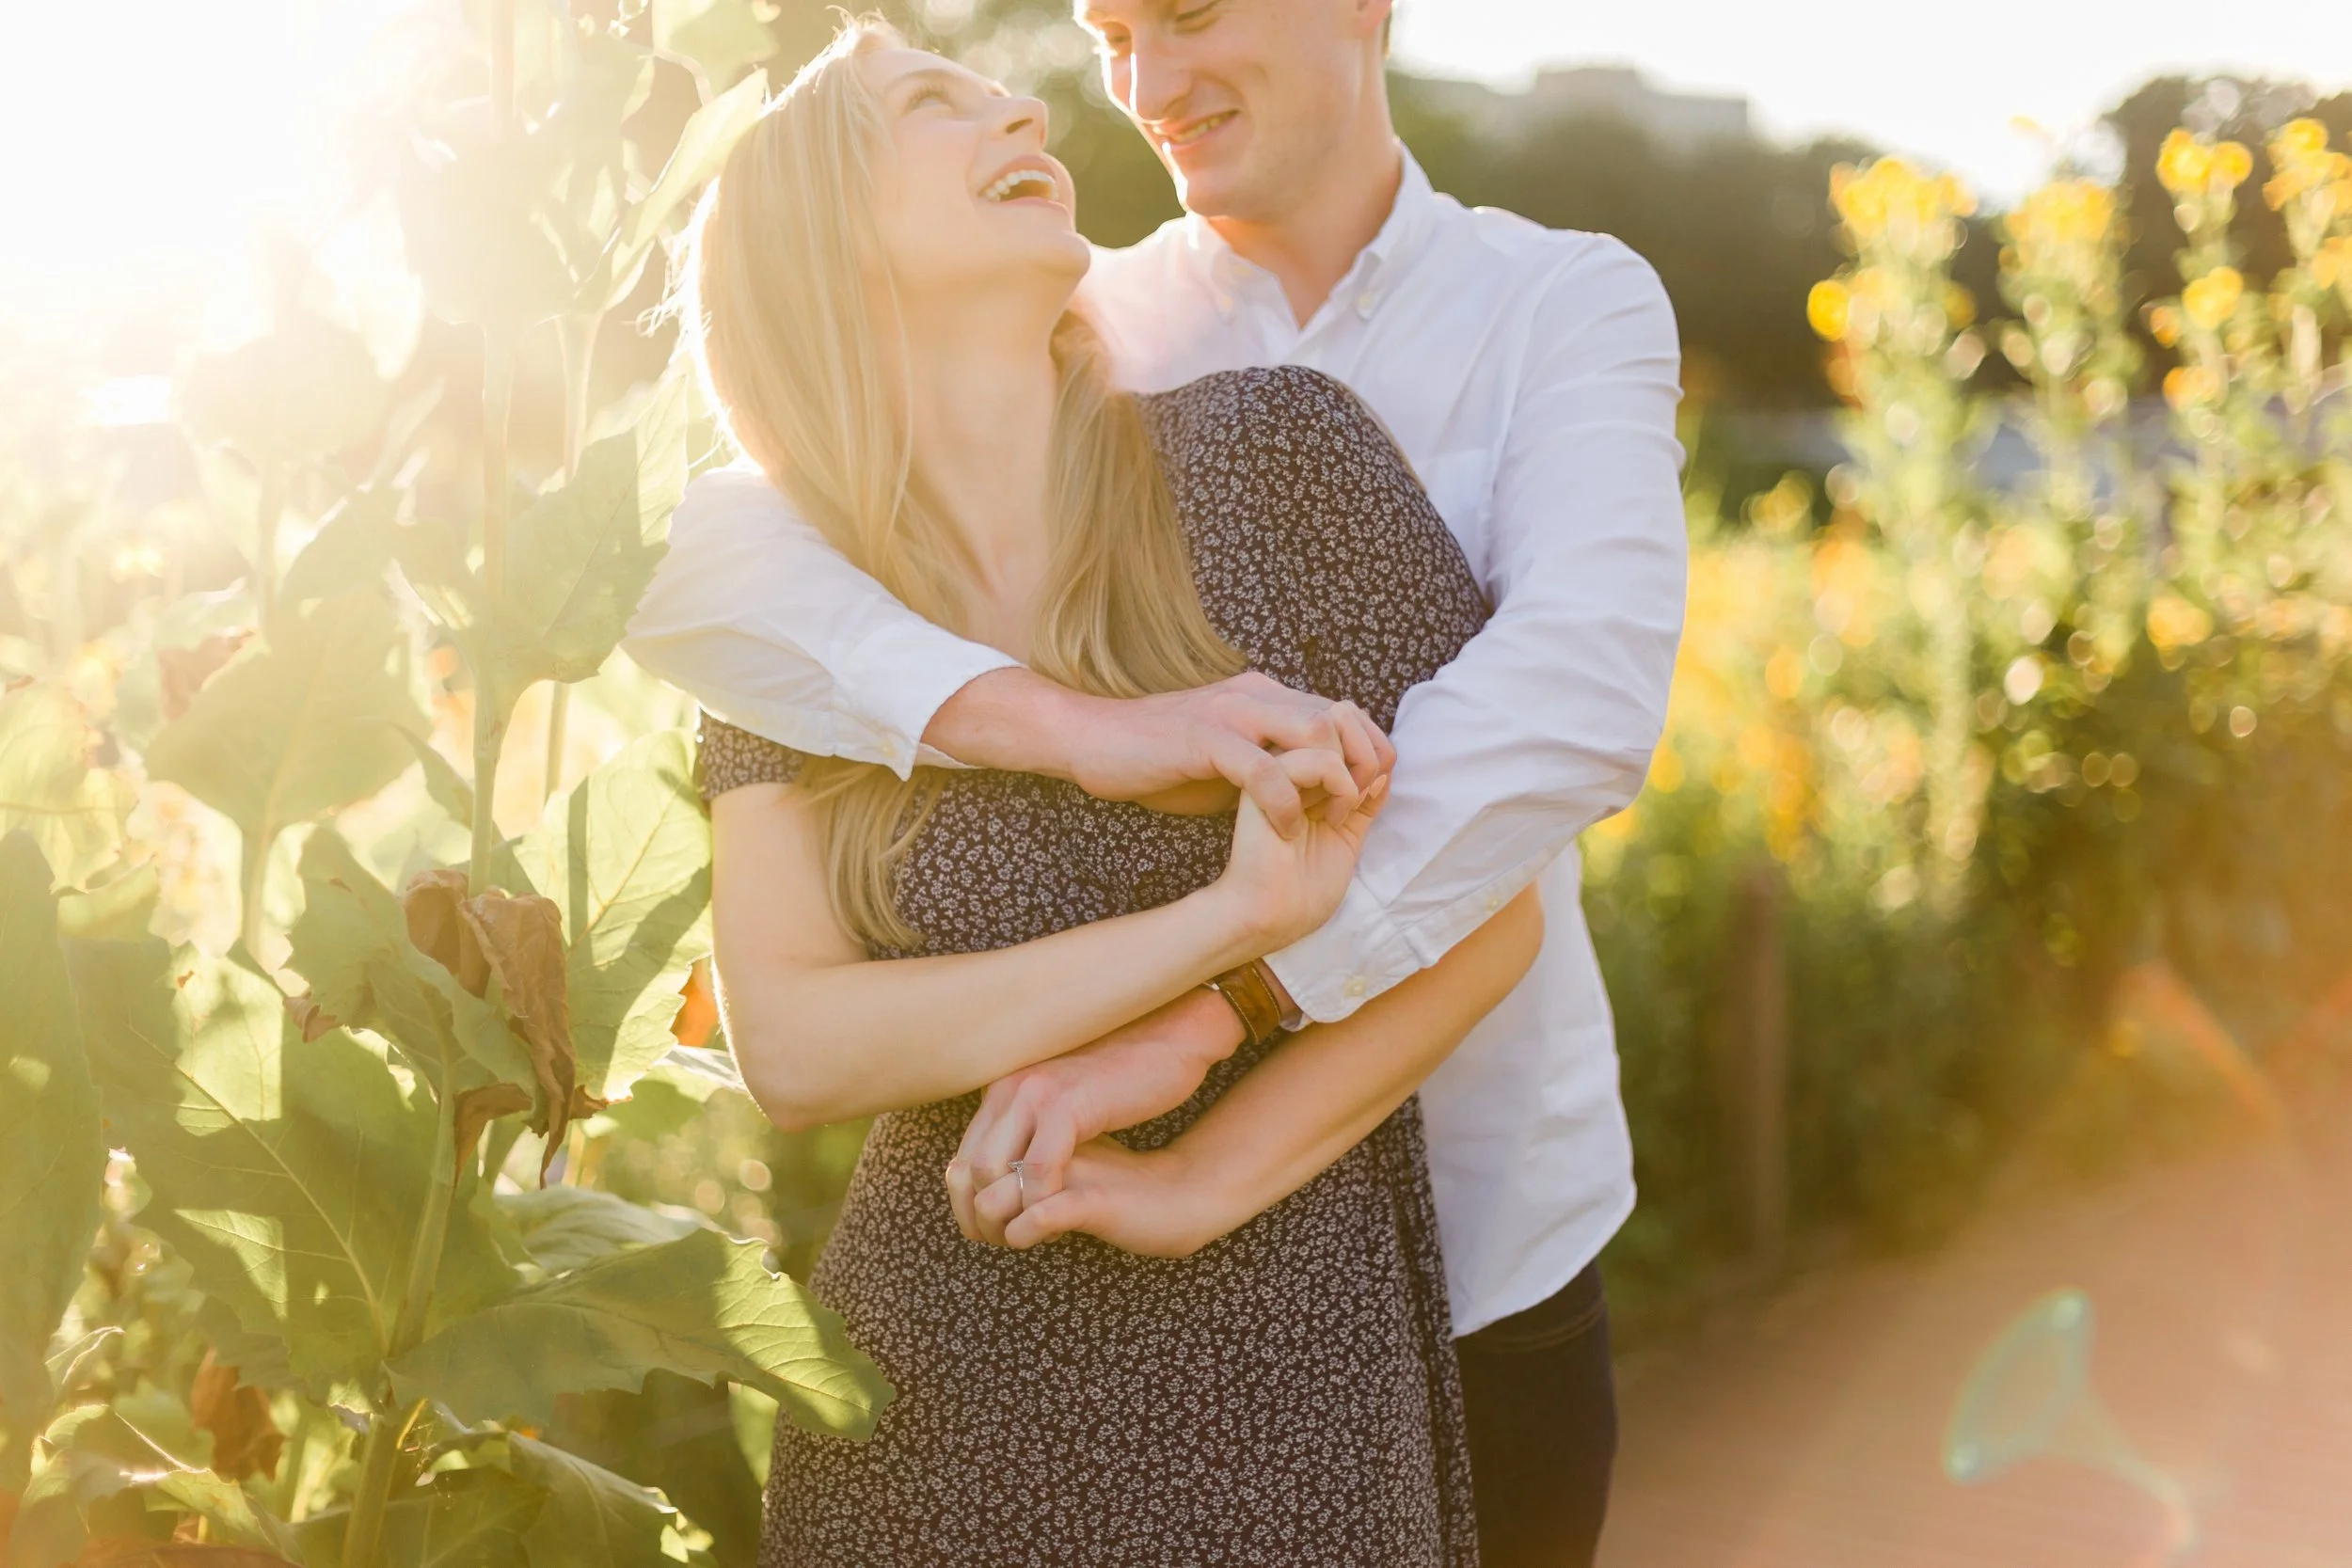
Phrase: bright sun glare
pixel 147 137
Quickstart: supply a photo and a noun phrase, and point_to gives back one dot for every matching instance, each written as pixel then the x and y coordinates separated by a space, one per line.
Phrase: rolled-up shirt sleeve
pixel 755 616
pixel 1545 722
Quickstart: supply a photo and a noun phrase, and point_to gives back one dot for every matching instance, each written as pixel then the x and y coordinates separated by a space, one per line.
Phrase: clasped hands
pixel 1038 1161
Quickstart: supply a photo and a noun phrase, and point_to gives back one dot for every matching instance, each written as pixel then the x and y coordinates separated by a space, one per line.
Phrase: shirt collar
pixel 1408 221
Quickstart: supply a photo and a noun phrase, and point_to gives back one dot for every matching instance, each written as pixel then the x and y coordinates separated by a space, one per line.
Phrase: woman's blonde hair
pixel 773 305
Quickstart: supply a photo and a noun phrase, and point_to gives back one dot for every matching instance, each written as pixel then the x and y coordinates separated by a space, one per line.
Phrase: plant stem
pixel 489 743
pixel 577 333
pixel 363 1532
pixel 252 880
pixel 267 511
pixel 491 705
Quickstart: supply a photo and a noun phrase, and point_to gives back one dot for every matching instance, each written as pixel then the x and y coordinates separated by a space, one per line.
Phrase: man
pixel 1530 378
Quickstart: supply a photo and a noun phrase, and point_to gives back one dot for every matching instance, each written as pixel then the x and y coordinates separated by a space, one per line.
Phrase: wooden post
pixel 1756 1066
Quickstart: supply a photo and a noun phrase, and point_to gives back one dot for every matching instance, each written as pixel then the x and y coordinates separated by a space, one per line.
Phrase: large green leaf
pixel 303 391
pixel 48 789
pixel 594 1518
pixel 352 944
pixel 578 558
pixel 567 1228
pixel 91 1455
pixel 721 36
pixel 702 150
pixel 704 1306
pixel 53 1158
pixel 463 1519
pixel 626 857
pixel 302 727
pixel 290 1175
pixel 474 216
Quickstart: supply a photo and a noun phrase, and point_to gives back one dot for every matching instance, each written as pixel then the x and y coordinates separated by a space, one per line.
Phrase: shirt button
pixel 1355 986
pixel 1494 902
pixel 1365 301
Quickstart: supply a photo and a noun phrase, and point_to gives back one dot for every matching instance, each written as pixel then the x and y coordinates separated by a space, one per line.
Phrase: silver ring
pixel 1020 1180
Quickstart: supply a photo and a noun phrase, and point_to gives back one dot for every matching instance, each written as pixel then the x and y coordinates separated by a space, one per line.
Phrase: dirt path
pixel 1810 1435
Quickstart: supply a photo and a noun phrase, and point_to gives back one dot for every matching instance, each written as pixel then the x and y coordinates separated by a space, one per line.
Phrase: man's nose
pixel 1158 80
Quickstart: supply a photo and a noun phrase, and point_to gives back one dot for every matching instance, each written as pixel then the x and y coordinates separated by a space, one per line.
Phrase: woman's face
pixel 966 197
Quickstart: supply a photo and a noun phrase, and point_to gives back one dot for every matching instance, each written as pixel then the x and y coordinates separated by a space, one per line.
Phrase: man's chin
pixel 1220 193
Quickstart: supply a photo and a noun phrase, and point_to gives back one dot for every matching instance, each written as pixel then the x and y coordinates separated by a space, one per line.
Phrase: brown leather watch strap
pixel 1251 997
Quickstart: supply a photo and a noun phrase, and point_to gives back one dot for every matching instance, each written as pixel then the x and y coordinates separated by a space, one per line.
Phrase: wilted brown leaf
pixel 431 903
pixel 522 939
pixel 698 1015
pixel 184 670
pixel 478 1108
pixel 245 1442
pixel 311 1019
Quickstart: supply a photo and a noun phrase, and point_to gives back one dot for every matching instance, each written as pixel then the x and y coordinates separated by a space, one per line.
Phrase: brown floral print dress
pixel 1287 1396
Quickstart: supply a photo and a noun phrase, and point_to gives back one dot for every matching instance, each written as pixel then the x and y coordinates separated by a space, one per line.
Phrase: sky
pixel 1942 83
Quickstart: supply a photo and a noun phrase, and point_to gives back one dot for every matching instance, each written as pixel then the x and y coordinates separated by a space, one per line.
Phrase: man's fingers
pixel 1047 1162
pixel 1262 777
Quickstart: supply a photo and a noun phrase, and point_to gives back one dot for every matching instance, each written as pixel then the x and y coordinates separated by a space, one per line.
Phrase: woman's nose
pixel 1024 117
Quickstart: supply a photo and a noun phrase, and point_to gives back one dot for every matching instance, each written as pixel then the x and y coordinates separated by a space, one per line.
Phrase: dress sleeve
pixel 728 758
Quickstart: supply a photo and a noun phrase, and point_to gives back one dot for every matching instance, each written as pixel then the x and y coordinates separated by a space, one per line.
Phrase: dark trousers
pixel 1542 1407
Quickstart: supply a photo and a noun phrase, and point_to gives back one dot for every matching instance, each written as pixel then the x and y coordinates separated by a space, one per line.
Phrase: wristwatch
pixel 1249 991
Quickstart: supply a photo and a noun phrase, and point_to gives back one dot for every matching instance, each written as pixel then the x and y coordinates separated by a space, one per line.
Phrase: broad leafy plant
pixel 318 1129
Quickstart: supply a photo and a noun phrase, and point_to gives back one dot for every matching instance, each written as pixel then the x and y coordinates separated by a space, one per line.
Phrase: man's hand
pixel 1041 1114
pixel 1163 750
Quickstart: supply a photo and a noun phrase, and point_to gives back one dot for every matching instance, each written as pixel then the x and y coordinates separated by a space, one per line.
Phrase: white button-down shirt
pixel 1531 377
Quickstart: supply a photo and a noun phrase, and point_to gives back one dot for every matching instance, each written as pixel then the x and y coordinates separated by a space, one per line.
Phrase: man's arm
pixel 1546 720
pixel 1313 1098
pixel 761 621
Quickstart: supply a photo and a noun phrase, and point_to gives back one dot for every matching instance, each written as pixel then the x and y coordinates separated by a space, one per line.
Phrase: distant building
pixel 1684 123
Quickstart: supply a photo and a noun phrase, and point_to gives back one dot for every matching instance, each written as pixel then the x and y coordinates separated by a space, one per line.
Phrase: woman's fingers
pixel 1321 769
pixel 1368 752
pixel 959 1195
pixel 993 1206
pixel 1049 1219
pixel 1260 775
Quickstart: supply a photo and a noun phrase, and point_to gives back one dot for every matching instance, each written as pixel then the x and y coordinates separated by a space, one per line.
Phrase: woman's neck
pixel 983 423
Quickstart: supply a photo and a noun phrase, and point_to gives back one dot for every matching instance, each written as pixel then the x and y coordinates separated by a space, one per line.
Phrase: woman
pixel 879 296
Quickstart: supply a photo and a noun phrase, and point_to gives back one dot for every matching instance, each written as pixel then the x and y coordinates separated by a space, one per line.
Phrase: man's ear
pixel 1374 15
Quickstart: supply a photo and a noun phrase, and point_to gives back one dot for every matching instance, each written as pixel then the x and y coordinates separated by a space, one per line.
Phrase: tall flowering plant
pixel 1906 349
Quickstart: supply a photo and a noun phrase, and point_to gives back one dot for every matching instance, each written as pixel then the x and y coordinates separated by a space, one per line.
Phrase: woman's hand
pixel 1286 888
pixel 1038 1117
pixel 1152 1205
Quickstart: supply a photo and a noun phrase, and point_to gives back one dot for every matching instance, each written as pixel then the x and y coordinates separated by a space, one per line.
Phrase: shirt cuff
pixel 1361 950
pixel 898 678
pixel 1356 955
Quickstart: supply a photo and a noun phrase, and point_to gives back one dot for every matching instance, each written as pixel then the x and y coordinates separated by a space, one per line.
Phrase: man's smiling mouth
pixel 1197 129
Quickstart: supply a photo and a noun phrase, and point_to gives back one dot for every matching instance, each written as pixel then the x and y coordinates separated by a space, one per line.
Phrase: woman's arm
pixel 1313 1098
pixel 823 1035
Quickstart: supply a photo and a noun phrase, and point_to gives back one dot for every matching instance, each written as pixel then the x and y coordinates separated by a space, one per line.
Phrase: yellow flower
pixel 2332 263
pixel 1960 306
pixel 2164 325
pixel 2183 163
pixel 2187 386
pixel 2299 139
pixel 2232 164
pixel 2211 299
pixel 2175 623
pixel 1829 308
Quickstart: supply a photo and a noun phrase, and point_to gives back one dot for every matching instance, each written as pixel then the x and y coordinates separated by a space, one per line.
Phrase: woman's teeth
pixel 1006 187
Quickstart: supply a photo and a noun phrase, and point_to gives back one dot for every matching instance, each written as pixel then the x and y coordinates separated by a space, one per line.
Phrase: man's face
pixel 1245 100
